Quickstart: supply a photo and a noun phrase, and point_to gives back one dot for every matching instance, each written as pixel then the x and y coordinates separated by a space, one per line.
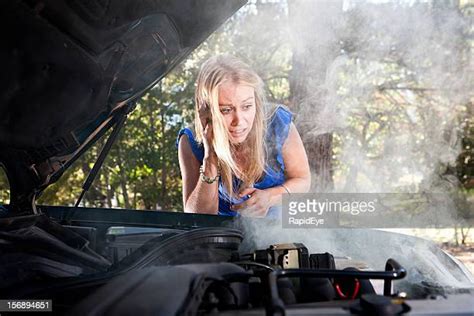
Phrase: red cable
pixel 339 292
pixel 354 294
pixel 356 289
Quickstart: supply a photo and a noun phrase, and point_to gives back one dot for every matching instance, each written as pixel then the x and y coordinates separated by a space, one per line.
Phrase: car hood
pixel 72 68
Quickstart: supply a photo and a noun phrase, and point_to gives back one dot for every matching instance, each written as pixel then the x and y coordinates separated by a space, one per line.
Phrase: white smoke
pixel 391 81
pixel 394 94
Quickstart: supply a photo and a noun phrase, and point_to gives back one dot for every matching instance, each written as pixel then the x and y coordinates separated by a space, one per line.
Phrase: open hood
pixel 71 69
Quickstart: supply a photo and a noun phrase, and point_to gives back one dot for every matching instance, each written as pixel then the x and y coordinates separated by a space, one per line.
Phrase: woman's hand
pixel 206 121
pixel 257 205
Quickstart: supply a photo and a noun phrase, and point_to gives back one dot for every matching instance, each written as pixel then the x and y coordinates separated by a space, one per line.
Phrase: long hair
pixel 214 72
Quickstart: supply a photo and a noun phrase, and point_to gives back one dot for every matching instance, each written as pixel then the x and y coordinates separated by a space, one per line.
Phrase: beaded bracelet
pixel 207 179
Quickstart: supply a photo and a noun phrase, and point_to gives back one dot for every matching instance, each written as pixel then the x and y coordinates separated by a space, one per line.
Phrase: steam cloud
pixel 405 73
pixel 392 81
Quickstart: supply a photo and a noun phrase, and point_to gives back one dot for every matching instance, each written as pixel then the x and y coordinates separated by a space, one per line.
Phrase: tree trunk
pixel 156 204
pixel 163 199
pixel 123 178
pixel 464 234
pixel 108 188
pixel 314 49
pixel 456 239
pixel 134 196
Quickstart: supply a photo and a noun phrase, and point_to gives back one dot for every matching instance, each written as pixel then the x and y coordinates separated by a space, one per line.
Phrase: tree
pixel 4 187
pixel 313 52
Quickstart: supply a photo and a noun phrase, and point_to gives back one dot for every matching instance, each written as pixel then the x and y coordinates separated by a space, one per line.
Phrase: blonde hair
pixel 214 72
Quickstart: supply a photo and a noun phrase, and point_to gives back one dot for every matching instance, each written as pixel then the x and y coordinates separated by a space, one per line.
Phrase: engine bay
pixel 203 270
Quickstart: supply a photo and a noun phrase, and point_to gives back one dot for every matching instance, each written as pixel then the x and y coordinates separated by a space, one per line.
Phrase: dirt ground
pixel 465 253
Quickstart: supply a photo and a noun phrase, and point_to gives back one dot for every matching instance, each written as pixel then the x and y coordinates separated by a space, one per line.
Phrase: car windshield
pixel 381 93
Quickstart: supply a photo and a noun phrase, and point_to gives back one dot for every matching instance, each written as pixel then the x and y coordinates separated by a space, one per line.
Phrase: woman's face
pixel 238 108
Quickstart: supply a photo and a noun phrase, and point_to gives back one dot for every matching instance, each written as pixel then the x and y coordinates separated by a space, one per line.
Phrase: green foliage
pixel 4 187
pixel 465 161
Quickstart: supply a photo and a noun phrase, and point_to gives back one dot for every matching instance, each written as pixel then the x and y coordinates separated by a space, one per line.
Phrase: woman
pixel 238 161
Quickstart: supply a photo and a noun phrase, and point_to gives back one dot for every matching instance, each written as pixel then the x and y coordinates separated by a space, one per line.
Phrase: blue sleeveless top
pixel 277 132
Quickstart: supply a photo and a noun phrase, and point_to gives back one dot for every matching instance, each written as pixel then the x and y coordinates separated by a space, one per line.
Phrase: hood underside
pixel 71 68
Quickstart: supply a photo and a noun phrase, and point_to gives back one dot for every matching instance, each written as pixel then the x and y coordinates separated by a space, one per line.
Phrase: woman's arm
pixel 298 175
pixel 198 196
pixel 298 178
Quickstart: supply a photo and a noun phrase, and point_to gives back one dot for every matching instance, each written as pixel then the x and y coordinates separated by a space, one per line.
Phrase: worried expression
pixel 238 108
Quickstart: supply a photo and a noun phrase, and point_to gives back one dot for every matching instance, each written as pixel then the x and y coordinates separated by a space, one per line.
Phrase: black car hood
pixel 71 68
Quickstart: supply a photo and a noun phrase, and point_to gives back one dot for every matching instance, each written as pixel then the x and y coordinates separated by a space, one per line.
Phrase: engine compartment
pixel 112 269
